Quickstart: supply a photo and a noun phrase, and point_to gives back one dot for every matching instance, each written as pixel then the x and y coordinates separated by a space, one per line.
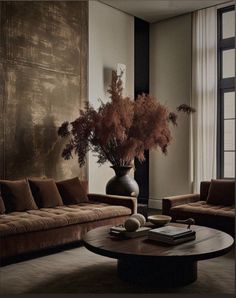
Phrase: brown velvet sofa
pixel 213 207
pixel 23 232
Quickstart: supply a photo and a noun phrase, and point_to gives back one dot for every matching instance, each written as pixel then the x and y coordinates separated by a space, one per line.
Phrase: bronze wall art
pixel 43 81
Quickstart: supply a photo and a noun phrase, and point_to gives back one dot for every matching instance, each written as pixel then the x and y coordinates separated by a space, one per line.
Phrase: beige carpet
pixel 80 271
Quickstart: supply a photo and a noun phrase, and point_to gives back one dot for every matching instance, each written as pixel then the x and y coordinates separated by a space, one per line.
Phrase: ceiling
pixel 157 10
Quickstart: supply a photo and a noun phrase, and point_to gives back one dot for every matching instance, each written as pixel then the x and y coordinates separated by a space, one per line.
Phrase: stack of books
pixel 171 235
pixel 122 232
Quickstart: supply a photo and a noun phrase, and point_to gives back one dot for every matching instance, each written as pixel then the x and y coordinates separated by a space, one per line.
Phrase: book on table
pixel 171 234
pixel 121 231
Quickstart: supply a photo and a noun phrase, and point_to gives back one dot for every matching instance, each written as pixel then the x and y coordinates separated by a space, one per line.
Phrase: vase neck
pixel 121 170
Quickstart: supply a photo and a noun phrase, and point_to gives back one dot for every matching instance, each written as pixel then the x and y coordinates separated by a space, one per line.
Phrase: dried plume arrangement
pixel 121 129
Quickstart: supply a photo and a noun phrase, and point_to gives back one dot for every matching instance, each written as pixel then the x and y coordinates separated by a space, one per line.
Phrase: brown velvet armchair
pixel 213 207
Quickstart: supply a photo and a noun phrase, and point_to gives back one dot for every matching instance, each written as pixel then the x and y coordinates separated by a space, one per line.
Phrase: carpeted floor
pixel 81 271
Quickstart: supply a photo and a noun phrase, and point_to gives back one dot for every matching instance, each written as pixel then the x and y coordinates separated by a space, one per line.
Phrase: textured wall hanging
pixel 43 81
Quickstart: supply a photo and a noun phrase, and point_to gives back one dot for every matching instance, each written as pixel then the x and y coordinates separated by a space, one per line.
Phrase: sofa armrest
pixel 130 202
pixel 169 202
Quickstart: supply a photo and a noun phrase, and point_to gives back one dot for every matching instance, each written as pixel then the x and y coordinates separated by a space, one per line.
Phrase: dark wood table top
pixel 209 243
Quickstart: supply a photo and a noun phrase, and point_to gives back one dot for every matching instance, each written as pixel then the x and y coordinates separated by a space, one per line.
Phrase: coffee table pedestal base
pixel 159 273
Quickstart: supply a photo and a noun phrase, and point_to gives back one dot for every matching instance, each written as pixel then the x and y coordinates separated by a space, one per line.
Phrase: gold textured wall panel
pixel 43 76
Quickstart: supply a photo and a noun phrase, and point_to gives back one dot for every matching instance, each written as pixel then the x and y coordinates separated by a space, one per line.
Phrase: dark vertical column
pixel 141 84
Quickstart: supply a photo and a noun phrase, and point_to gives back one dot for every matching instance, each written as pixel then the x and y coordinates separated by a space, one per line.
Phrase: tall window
pixel 226 92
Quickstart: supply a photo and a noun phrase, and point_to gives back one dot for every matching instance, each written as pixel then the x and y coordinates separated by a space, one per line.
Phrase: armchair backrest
pixel 204 188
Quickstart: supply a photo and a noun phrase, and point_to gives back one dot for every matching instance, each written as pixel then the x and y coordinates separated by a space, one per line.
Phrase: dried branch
pixel 120 129
pixel 186 109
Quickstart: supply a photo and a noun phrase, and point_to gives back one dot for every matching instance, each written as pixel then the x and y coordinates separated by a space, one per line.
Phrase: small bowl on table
pixel 159 220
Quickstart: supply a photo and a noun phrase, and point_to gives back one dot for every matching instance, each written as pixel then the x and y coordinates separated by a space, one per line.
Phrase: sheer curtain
pixel 204 96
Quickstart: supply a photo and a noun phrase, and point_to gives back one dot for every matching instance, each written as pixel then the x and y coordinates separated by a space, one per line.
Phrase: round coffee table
pixel 141 260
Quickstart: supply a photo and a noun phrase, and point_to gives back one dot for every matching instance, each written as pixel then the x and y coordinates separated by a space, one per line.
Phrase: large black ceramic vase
pixel 122 184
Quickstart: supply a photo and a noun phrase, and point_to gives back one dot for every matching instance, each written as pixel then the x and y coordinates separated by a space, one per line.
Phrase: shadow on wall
pixel 107 71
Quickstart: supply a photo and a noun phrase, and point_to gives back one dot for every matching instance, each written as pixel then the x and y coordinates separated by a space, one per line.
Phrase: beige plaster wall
pixel 170 82
pixel 111 41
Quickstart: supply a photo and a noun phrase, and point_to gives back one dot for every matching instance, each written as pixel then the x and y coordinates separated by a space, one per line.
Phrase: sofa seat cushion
pixel 49 218
pixel 201 207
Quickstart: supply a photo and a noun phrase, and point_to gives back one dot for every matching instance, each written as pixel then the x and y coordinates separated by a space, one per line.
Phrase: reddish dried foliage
pixel 121 129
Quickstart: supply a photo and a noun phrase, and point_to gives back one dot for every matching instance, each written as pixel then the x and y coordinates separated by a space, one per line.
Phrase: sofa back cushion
pixel 2 206
pixel 17 196
pixel 204 189
pixel 72 191
pixel 221 192
pixel 84 184
pixel 45 192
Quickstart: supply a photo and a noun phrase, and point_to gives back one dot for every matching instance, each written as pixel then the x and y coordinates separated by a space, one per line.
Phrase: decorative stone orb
pixel 140 218
pixel 132 224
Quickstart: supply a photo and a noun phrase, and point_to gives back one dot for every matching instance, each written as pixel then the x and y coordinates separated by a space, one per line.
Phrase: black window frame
pixel 223 86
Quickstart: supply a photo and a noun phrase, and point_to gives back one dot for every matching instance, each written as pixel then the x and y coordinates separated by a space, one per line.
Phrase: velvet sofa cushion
pixel 14 245
pixel 214 216
pixel 72 191
pixel 202 207
pixel 17 196
pixel 49 218
pixel 45 193
pixel 221 192
pixel 2 206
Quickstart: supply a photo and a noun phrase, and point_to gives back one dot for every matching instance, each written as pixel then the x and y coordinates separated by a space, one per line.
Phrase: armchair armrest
pixel 130 202
pixel 169 202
